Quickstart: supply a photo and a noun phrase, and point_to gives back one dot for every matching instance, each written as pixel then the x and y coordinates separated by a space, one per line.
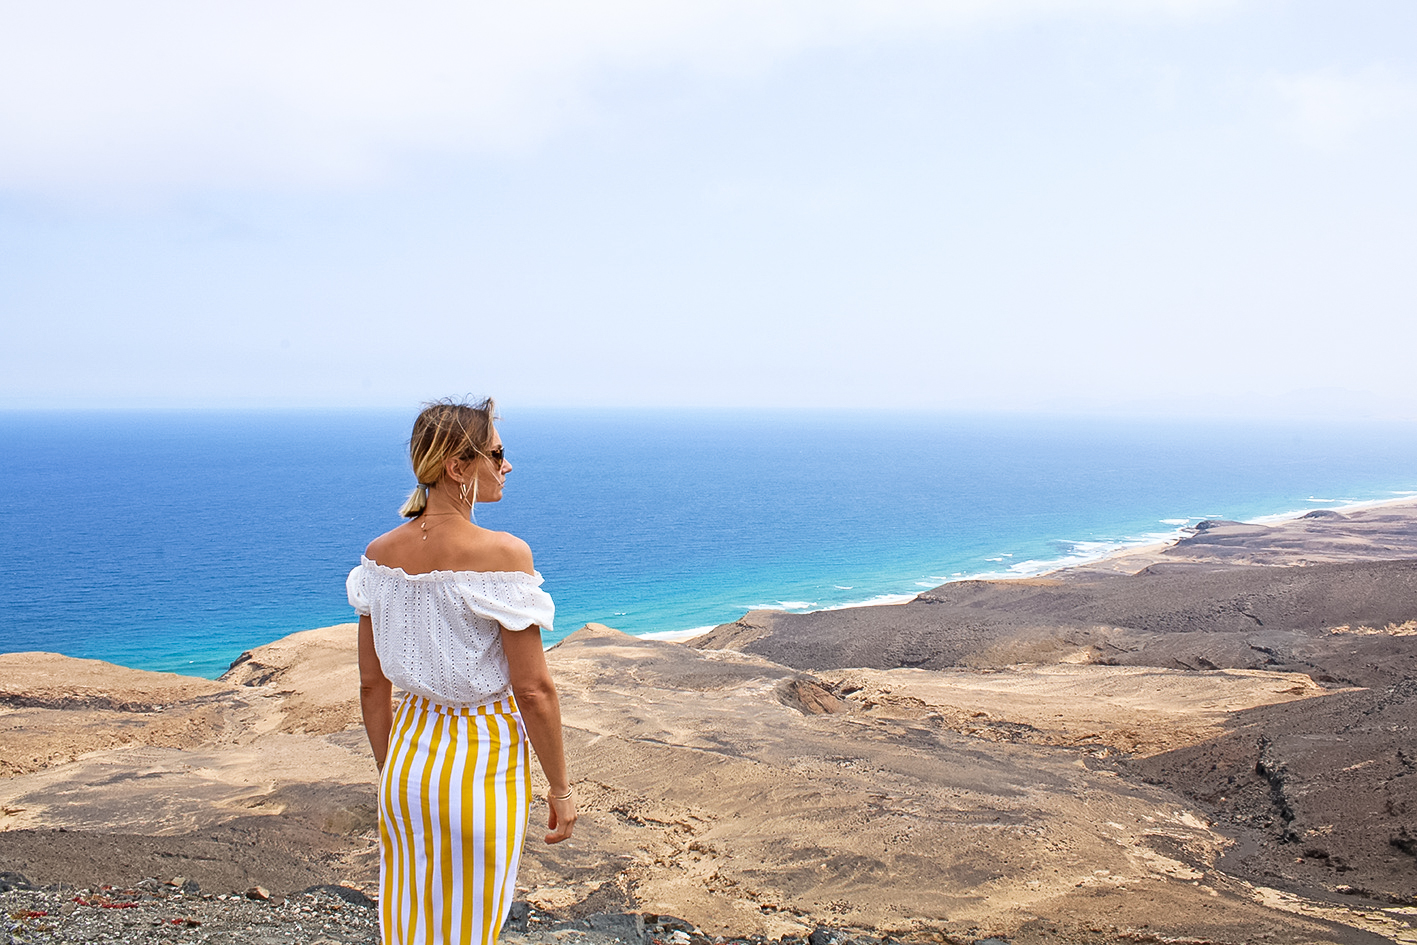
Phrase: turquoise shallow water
pixel 174 540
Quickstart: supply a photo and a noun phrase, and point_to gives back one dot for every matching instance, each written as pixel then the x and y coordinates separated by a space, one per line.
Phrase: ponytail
pixel 417 501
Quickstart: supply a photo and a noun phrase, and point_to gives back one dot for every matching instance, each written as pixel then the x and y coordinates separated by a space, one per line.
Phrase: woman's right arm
pixel 375 694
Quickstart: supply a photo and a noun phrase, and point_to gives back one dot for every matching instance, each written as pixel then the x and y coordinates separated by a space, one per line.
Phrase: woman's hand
pixel 562 818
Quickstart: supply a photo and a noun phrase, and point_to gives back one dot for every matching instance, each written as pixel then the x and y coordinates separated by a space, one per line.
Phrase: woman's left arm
pixel 375 694
pixel 541 712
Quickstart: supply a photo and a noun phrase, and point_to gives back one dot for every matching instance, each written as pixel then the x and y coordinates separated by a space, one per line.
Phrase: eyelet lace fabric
pixel 439 634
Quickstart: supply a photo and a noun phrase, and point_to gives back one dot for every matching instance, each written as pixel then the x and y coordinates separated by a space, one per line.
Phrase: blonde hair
pixel 445 429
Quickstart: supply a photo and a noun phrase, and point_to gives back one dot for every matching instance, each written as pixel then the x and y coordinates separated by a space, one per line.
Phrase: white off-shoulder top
pixel 438 634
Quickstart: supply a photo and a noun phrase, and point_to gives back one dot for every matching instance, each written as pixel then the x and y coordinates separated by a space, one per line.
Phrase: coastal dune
pixel 1201 748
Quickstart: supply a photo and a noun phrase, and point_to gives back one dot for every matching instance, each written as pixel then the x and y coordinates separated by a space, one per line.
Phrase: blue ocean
pixel 176 540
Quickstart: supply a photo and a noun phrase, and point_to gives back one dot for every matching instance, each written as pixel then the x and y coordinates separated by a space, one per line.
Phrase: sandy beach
pixel 1205 741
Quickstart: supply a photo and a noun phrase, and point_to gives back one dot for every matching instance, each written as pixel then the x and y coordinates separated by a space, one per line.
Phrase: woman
pixel 452 613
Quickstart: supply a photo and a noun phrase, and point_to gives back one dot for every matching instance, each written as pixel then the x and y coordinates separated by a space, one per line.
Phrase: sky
pixel 1161 207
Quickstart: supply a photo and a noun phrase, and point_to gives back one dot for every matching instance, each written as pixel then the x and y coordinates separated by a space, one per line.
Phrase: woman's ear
pixel 455 467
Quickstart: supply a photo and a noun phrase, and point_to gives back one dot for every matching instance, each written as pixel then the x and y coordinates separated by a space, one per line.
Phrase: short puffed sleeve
pixel 512 598
pixel 354 587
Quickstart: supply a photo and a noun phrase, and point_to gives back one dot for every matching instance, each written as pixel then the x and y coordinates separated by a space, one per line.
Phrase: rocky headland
pixel 1205 741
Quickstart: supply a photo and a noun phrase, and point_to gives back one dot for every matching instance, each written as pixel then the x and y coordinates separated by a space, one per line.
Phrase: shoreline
pixel 1127 547
pixel 1113 550
pixel 1119 550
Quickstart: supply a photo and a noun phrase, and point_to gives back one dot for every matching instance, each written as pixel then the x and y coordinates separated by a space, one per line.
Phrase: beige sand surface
pixel 1134 709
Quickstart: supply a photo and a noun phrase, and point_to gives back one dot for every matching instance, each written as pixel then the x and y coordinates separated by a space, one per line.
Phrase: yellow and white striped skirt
pixel 452 816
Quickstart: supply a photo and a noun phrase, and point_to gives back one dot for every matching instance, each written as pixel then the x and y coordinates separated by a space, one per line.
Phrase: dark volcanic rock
pixel 10 880
pixel 1245 618
pixel 809 696
pixel 1331 783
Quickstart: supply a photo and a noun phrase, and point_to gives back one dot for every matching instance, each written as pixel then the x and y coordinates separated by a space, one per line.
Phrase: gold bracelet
pixel 561 797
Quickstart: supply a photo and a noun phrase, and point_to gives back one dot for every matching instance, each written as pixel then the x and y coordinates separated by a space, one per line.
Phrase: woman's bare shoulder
pixel 506 552
pixel 387 545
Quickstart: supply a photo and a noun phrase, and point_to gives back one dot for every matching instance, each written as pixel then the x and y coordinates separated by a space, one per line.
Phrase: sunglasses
pixel 497 456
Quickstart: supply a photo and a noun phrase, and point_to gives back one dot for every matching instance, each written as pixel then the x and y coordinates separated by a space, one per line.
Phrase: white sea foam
pixel 1342 505
pixel 875 601
pixel 676 636
pixel 1079 552
pixel 842 587
pixel 1176 521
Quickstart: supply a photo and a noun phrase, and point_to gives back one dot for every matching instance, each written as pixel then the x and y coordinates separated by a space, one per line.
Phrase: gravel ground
pixel 164 913
pixel 156 912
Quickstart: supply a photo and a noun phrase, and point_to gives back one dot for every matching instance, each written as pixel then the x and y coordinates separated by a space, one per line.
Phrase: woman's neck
pixel 443 501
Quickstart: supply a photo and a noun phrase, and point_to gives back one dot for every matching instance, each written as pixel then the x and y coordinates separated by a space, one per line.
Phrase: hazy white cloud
pixel 95 94
pixel 1329 109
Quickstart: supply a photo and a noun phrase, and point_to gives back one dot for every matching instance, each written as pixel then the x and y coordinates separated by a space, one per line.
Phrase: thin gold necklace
pixel 424 525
